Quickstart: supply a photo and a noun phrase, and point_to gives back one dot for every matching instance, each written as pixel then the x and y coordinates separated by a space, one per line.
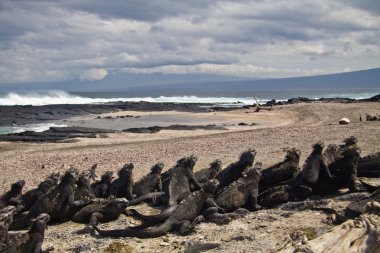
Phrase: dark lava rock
pixel 156 129
pixel 55 134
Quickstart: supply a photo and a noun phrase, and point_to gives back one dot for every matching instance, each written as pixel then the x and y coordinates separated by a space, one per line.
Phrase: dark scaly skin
pixel 101 188
pixel 186 161
pixel 342 166
pixel 345 168
pixel 364 205
pixel 188 211
pixel 235 170
pixel 58 203
pixel 149 183
pixel 282 171
pixel 6 218
pixel 12 197
pixel 83 186
pixel 281 194
pixel 179 185
pixel 369 166
pixel 242 191
pixel 151 220
pixel 32 241
pixel 207 174
pixel 104 211
pixel 122 187
pixel 370 204
pixel 30 197
pixel 314 168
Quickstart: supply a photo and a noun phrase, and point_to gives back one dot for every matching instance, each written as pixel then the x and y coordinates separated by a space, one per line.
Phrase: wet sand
pixel 298 125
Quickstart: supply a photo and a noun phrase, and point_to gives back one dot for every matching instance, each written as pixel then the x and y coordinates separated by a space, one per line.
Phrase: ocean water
pixel 238 98
pixel 30 127
pixel 235 98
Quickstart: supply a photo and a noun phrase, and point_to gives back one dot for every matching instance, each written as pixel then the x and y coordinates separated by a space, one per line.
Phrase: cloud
pixel 93 75
pixel 63 40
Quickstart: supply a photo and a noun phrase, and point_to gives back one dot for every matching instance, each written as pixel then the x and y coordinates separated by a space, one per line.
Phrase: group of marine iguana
pixel 212 194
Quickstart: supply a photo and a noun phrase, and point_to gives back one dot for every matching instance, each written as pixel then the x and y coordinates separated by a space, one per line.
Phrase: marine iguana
pixel 342 165
pixel 207 174
pixel 103 211
pixel 151 182
pixel 32 241
pixel 345 168
pixel 189 212
pixel 6 218
pixel 235 170
pixel 83 184
pixel 122 186
pixel 282 171
pixel 370 204
pixel 178 187
pixel 314 169
pixel 13 196
pixel 151 220
pixel 369 166
pixel 243 191
pixel 283 193
pixel 101 188
pixel 187 161
pixel 30 197
pixel 58 203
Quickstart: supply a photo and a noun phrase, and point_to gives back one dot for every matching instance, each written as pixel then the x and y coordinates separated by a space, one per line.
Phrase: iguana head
pixel 46 185
pixel 211 186
pixel 157 168
pixel 293 155
pixel 107 177
pixel 54 177
pixel 187 162
pixel 40 223
pixel 318 147
pixel 69 176
pixel 126 170
pixel 248 157
pixel 119 203
pixel 352 140
pixel 17 186
pixel 216 165
pixel 254 172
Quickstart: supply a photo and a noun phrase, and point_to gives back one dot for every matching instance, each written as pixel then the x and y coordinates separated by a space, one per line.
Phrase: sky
pixel 90 40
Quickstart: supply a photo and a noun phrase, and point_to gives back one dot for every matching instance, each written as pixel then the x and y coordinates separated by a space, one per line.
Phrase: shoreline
pixel 28 114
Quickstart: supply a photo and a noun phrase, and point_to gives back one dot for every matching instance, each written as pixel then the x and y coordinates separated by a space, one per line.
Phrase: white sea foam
pixel 61 97
pixel 30 127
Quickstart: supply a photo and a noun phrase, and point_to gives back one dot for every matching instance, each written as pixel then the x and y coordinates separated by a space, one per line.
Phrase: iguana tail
pixel 151 220
pixel 145 197
pixel 139 233
pixel 20 222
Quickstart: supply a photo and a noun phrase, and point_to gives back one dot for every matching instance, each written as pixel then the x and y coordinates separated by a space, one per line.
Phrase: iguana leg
pixel 94 218
pixel 7 239
pixel 252 203
pixel 185 227
pixel 38 248
pixel 209 211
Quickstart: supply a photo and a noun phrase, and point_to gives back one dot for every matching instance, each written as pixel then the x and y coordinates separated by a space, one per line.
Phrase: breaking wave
pixel 30 127
pixel 61 97
pixel 39 98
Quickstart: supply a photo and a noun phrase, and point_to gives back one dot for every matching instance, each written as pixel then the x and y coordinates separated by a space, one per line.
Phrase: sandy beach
pixel 269 132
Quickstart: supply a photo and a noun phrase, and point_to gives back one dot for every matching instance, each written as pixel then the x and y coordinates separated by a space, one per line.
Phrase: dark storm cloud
pixel 58 40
